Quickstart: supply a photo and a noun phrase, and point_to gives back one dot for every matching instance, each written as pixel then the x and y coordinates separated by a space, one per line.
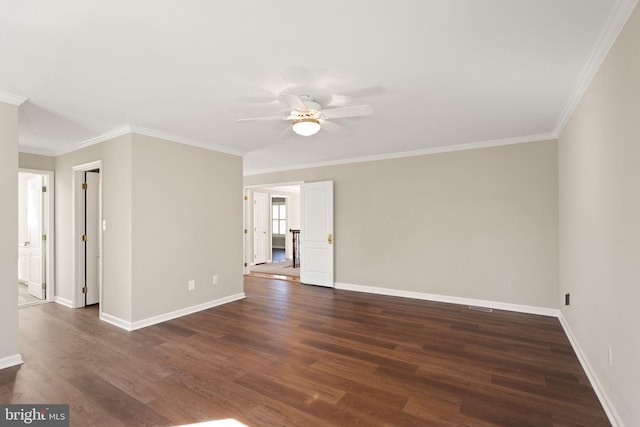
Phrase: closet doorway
pixel 87 234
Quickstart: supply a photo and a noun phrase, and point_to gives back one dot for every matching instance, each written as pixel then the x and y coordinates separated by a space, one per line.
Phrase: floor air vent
pixel 485 309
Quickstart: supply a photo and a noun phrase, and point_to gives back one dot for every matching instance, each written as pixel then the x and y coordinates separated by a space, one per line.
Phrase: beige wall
pixel 116 174
pixel 173 213
pixel 187 225
pixel 599 162
pixel 478 224
pixel 9 233
pixel 36 161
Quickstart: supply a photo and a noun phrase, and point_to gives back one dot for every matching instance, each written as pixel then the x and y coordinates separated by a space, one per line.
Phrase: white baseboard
pixel 9 361
pixel 605 401
pixel 544 311
pixel 63 301
pixel 139 324
pixel 116 321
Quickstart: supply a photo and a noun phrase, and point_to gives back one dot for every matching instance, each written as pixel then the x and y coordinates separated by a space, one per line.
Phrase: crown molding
pixel 129 129
pixel 37 151
pixel 9 98
pixel 413 153
pixel 616 22
pixel 124 130
pixel 184 140
pixel 86 143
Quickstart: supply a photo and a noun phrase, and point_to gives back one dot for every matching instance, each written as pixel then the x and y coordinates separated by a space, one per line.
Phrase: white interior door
pixel 92 231
pixel 260 224
pixel 23 231
pixel 35 243
pixel 316 233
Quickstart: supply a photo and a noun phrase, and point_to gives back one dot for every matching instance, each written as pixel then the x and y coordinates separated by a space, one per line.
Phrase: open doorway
pixel 279 230
pixel 35 237
pixel 87 234
pixel 271 213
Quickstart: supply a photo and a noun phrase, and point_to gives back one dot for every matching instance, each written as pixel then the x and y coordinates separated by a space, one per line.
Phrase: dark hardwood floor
pixel 292 355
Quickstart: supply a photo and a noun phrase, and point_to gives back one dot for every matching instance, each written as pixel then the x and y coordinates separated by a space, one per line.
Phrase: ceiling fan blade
pixel 294 101
pixel 345 97
pixel 252 119
pixel 333 127
pixel 286 133
pixel 355 111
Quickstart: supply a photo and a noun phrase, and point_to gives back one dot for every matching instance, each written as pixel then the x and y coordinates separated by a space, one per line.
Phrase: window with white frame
pixel 279 215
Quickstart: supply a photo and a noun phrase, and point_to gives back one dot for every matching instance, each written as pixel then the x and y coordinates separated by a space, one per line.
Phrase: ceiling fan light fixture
pixel 306 126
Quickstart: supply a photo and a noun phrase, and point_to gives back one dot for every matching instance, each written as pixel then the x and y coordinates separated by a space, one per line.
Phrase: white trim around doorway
pixel 50 245
pixel 76 232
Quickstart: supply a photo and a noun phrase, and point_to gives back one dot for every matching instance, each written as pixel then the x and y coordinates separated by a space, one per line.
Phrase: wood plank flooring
pixel 296 355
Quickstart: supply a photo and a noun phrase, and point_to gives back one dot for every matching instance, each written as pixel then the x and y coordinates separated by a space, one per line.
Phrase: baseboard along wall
pixel 543 311
pixel 139 324
pixel 63 301
pixel 9 361
pixel 596 384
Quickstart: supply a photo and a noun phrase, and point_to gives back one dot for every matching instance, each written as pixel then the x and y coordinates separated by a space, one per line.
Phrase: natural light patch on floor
pixel 229 422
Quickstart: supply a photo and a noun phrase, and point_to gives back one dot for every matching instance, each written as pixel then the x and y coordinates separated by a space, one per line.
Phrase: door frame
pixel 77 230
pixel 247 215
pixel 49 263
pixel 287 243
pixel 267 232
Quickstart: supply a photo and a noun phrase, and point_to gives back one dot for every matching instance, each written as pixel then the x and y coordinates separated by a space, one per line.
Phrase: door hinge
pixel 84 185
pixel 44 188
pixel 245 264
pixel 44 285
pixel 84 238
pixel 245 231
pixel 44 237
pixel 246 197
pixel 84 289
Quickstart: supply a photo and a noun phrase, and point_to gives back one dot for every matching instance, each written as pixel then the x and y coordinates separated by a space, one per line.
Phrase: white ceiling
pixel 439 73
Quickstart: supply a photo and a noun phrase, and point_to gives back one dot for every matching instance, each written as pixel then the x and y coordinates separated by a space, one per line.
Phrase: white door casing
pixel 93 238
pixel 23 231
pixel 78 220
pixel 316 233
pixel 260 227
pixel 34 230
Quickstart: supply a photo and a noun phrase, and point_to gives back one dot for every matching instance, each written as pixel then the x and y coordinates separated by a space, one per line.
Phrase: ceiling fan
pixel 307 116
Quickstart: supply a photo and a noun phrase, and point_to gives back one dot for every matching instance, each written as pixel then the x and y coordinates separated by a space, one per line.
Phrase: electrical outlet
pixel 192 285
pixel 610 355
pixel 215 279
